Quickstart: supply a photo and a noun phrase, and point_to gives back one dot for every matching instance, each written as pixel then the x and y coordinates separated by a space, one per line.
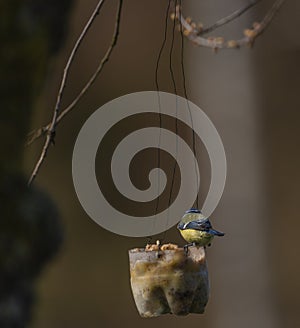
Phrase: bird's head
pixel 193 210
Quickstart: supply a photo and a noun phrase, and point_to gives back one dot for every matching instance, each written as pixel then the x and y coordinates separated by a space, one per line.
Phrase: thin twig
pixel 192 32
pixel 51 131
pixel 50 128
pixel 43 130
pixel 228 18
pixel 100 66
pixel 269 16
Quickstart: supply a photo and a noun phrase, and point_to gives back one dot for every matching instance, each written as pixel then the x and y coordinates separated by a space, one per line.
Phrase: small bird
pixel 196 229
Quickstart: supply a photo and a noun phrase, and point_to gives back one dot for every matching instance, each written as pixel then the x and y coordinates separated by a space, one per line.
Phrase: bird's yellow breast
pixel 201 238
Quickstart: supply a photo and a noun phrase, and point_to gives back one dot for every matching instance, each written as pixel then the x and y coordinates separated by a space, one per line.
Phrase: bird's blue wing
pixel 215 232
pixel 202 225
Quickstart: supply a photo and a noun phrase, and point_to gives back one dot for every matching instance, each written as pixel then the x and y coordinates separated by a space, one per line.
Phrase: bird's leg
pixel 186 247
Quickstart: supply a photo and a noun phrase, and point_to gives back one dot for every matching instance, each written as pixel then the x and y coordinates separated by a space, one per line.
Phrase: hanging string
pixel 187 102
pixel 159 107
pixel 179 2
pixel 157 89
pixel 176 118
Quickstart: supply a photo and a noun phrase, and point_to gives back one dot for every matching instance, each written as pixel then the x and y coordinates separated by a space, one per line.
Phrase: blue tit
pixel 196 229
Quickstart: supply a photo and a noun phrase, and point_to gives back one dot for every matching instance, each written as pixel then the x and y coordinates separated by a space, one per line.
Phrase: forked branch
pixel 57 113
pixel 195 32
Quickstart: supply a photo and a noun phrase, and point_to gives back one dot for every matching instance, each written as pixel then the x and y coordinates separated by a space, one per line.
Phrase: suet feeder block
pixel 168 279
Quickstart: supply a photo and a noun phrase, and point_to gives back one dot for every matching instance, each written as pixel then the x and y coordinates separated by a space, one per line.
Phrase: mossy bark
pixel 30 31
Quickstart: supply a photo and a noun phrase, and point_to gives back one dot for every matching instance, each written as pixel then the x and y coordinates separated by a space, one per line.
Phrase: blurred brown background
pixel 251 95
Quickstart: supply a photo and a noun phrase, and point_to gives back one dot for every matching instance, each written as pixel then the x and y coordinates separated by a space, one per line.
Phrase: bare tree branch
pixel 51 127
pixel 193 33
pixel 190 29
pixel 229 18
pixel 36 134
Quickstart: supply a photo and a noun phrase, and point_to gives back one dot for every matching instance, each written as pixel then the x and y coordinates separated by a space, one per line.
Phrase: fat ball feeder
pixel 171 279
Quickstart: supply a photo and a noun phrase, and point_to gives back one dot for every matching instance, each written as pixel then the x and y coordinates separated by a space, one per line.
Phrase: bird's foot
pixel 186 247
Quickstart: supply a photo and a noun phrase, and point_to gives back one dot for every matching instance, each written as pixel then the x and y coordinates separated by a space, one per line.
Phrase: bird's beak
pixel 215 232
